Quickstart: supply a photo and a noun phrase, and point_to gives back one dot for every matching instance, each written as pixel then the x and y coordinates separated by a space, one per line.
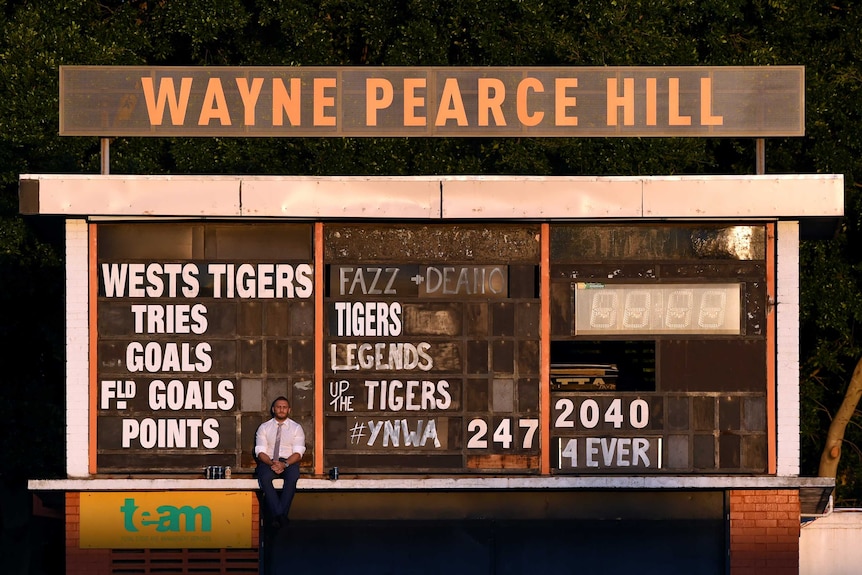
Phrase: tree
pixel 822 35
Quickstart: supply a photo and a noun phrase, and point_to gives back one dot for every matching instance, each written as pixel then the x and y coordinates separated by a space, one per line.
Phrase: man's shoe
pixel 275 523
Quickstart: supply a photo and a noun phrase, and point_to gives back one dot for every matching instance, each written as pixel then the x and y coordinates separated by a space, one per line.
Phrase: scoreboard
pixel 650 349
pixel 431 348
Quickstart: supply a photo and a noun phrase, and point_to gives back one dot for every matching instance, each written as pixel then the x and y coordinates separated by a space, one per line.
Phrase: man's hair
pixel 276 400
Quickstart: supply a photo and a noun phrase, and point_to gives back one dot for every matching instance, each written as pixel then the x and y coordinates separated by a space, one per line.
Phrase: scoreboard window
pixel 658 348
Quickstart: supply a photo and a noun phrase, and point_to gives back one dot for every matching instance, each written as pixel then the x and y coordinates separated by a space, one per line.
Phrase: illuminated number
pixel 636 309
pixel 639 413
pixel 679 304
pixel 712 308
pixel 603 314
pixel 503 433
pixel 570 451
pixel 589 413
pixel 478 441
pixel 531 425
pixel 614 414
pixel 568 407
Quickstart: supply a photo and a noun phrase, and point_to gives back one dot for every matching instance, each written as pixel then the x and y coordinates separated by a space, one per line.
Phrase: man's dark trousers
pixel 278 505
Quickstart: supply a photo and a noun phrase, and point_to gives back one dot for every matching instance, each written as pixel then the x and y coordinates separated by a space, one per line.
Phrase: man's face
pixel 281 410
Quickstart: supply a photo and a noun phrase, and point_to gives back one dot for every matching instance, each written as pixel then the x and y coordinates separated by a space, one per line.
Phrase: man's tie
pixel 277 443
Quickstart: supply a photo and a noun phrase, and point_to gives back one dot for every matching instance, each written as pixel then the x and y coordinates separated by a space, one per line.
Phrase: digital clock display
pixel 627 309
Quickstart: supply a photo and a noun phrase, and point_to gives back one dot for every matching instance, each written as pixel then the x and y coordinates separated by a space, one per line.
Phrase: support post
pixel 760 153
pixel 106 156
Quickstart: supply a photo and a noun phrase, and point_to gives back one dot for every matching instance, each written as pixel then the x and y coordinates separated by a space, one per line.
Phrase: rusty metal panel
pixel 431 345
pixel 713 365
pixel 432 243
pixel 193 319
pixel 604 242
pixel 706 391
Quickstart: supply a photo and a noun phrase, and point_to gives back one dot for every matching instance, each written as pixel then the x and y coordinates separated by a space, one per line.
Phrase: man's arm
pixel 297 443
pixel 262 449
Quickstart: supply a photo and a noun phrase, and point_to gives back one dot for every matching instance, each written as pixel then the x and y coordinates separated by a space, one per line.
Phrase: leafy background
pixel 38 37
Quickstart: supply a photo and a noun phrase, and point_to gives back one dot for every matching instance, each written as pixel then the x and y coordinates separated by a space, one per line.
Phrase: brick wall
pixel 764 532
pixel 82 561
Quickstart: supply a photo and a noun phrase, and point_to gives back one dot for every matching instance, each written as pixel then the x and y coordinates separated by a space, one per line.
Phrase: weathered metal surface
pixel 579 243
pixel 200 327
pixel 449 244
pixel 445 363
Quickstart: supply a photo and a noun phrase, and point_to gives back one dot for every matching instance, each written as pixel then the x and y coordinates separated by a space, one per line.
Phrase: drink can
pixel 227 472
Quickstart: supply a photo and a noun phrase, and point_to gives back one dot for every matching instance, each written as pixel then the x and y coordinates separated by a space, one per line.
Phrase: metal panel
pixel 484 197
pixel 743 196
pixel 446 197
pixel 132 196
pixel 341 197
pixel 432 101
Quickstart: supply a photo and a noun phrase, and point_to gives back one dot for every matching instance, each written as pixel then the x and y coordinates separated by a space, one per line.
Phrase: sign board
pixel 430 346
pixel 166 520
pixel 200 327
pixel 432 101
pixel 658 353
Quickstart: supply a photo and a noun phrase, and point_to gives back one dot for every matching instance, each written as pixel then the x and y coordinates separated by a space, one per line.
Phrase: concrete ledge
pixel 456 483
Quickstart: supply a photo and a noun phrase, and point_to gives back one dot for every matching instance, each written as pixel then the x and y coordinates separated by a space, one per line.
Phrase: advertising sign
pixel 166 520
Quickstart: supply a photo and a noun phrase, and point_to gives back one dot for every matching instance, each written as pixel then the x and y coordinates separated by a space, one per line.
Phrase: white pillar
pixel 77 349
pixel 787 346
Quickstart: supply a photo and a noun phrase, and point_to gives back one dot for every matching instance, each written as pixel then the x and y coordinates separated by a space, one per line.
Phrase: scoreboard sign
pixel 200 327
pixel 431 358
pixel 416 348
pixel 658 349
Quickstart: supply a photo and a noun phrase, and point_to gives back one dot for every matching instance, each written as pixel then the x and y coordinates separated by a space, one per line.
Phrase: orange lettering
pixel 626 101
pixel 322 101
pixel 214 105
pixel 489 103
pixel 706 117
pixel 451 105
pixel 249 97
pixel 373 103
pixel 167 95
pixel 524 116
pixel 651 105
pixel 674 118
pixel 412 102
pixel 284 101
pixel 563 101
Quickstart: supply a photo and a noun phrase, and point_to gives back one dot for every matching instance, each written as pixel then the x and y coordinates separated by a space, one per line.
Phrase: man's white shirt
pixel 292 439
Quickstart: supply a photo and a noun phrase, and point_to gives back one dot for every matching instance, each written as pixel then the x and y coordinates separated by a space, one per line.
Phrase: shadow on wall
pixel 694 547
pixel 31 531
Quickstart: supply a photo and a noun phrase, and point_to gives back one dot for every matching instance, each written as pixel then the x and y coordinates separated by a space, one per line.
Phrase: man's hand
pixel 278 466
